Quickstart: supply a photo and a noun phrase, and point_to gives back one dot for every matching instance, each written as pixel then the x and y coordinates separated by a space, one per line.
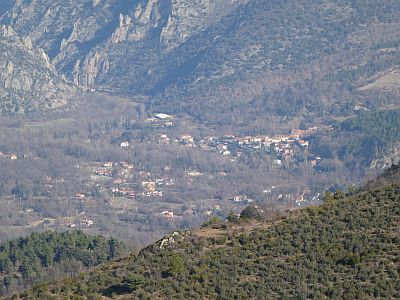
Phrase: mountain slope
pixel 210 40
pixel 27 79
pixel 219 60
pixel 346 248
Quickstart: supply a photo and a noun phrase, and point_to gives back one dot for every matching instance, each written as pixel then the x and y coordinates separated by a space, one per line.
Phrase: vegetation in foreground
pixel 346 248
pixel 51 255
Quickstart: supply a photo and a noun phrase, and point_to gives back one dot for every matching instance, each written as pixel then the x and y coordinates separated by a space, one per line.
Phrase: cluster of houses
pixel 289 199
pixel 193 209
pixel 122 170
pixel 150 188
pixel 299 199
pixel 281 146
pixel 130 183
pixel 123 180
pixel 184 139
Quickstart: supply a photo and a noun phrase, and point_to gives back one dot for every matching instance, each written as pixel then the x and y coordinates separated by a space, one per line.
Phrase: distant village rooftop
pixel 163 116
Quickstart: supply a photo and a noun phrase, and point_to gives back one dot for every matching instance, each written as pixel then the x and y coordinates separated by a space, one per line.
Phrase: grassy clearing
pixel 388 81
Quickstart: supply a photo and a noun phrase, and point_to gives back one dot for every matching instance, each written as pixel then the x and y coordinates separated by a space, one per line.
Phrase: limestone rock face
pixel 66 30
pixel 122 30
pixel 388 160
pixel 7 31
pixel 28 81
pixel 189 17
pixel 90 40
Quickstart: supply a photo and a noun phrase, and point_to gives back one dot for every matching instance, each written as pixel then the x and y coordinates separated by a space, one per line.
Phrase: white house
pixel 163 116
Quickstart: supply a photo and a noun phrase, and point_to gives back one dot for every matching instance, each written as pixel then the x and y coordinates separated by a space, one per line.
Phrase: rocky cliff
pixel 92 40
pixel 28 81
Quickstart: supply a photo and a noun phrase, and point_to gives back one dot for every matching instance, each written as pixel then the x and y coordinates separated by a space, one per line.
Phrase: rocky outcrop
pixel 86 74
pixel 84 41
pixel 189 17
pixel 66 30
pixel 390 159
pixel 122 30
pixel 28 81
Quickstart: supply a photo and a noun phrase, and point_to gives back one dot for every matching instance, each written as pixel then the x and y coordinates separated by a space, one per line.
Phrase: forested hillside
pixel 356 142
pixel 51 255
pixel 346 248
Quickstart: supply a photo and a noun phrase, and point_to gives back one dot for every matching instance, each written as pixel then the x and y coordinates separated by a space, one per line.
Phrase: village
pixel 281 147
pixel 130 188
